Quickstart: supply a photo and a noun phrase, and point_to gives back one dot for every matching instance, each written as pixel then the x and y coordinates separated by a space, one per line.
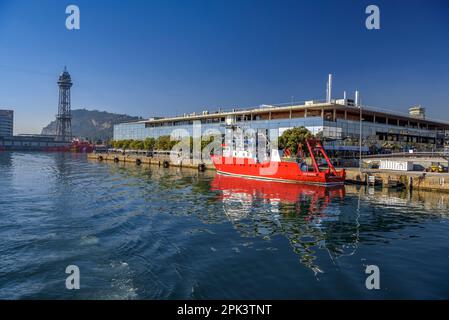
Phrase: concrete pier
pixel 409 179
pixel 144 160
pixel 382 178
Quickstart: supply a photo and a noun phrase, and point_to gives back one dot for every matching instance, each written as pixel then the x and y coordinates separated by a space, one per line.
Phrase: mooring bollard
pixel 166 164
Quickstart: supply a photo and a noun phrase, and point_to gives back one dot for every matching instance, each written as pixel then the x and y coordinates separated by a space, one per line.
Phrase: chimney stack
pixel 329 89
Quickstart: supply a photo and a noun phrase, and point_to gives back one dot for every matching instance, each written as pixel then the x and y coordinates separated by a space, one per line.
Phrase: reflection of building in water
pixel 412 201
pixel 297 211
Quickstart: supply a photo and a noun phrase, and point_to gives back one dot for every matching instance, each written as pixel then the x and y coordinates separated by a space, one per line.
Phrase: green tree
pixel 117 144
pixel 291 138
pixel 149 143
pixel 164 143
pixel 126 144
pixel 396 147
pixel 136 145
pixel 206 141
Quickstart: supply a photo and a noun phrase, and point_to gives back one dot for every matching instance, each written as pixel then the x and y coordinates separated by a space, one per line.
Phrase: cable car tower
pixel 64 117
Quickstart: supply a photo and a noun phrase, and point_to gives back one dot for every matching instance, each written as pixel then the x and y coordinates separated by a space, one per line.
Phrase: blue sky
pixel 168 57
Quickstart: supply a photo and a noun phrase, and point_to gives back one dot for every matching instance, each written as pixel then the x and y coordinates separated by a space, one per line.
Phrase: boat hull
pixel 287 172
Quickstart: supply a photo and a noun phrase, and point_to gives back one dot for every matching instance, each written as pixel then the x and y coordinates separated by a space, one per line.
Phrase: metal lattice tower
pixel 64 117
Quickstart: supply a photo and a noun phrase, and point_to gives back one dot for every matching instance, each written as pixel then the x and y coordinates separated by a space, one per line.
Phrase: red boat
pixel 246 165
pixel 76 146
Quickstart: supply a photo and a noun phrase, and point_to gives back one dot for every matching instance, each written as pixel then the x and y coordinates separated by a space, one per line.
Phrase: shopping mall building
pixel 337 120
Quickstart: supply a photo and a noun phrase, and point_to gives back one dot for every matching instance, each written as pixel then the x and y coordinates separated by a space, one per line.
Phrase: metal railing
pixel 410 154
pixel 258 107
pixel 400 114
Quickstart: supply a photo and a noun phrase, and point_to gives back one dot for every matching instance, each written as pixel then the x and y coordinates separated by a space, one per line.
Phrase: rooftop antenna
pixel 329 89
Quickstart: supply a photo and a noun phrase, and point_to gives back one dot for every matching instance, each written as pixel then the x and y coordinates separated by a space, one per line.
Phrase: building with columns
pixel 337 120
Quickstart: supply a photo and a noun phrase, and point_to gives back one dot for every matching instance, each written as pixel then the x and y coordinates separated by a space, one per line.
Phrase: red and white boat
pixel 246 165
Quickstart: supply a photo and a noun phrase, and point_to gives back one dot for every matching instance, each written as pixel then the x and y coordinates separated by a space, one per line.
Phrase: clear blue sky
pixel 167 57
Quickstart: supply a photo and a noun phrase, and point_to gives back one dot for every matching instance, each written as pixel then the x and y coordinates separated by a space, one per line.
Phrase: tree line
pixel 160 143
pixel 290 139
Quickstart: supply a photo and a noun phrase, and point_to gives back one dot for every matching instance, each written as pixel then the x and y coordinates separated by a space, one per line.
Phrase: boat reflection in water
pixel 248 191
pixel 302 213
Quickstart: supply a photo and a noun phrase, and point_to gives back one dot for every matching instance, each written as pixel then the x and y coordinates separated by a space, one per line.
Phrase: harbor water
pixel 147 232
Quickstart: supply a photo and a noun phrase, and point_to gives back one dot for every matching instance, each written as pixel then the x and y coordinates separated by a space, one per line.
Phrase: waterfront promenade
pixel 382 178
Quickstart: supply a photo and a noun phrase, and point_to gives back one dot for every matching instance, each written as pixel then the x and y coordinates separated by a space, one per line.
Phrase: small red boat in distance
pixel 76 146
pixel 246 165
pixel 79 146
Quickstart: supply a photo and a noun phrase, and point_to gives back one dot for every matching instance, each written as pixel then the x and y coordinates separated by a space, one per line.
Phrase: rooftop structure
pixel 417 112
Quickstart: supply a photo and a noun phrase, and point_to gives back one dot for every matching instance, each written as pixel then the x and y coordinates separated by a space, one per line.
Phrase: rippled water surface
pixel 153 233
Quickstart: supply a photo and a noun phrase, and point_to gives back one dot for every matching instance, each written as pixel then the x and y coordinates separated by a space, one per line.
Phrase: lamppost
pixel 359 105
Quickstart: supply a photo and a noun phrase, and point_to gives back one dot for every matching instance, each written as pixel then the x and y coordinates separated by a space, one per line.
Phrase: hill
pixel 92 124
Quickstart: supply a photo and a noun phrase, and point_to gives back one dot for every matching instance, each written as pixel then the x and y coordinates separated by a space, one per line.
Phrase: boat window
pixel 303 166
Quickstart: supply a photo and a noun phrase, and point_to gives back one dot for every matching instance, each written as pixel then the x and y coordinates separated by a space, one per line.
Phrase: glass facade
pixel 140 131
pixel 339 129
pixel 134 131
pixel 6 123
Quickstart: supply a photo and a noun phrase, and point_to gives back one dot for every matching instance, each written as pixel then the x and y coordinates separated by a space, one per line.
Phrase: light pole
pixel 360 139
pixel 359 105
